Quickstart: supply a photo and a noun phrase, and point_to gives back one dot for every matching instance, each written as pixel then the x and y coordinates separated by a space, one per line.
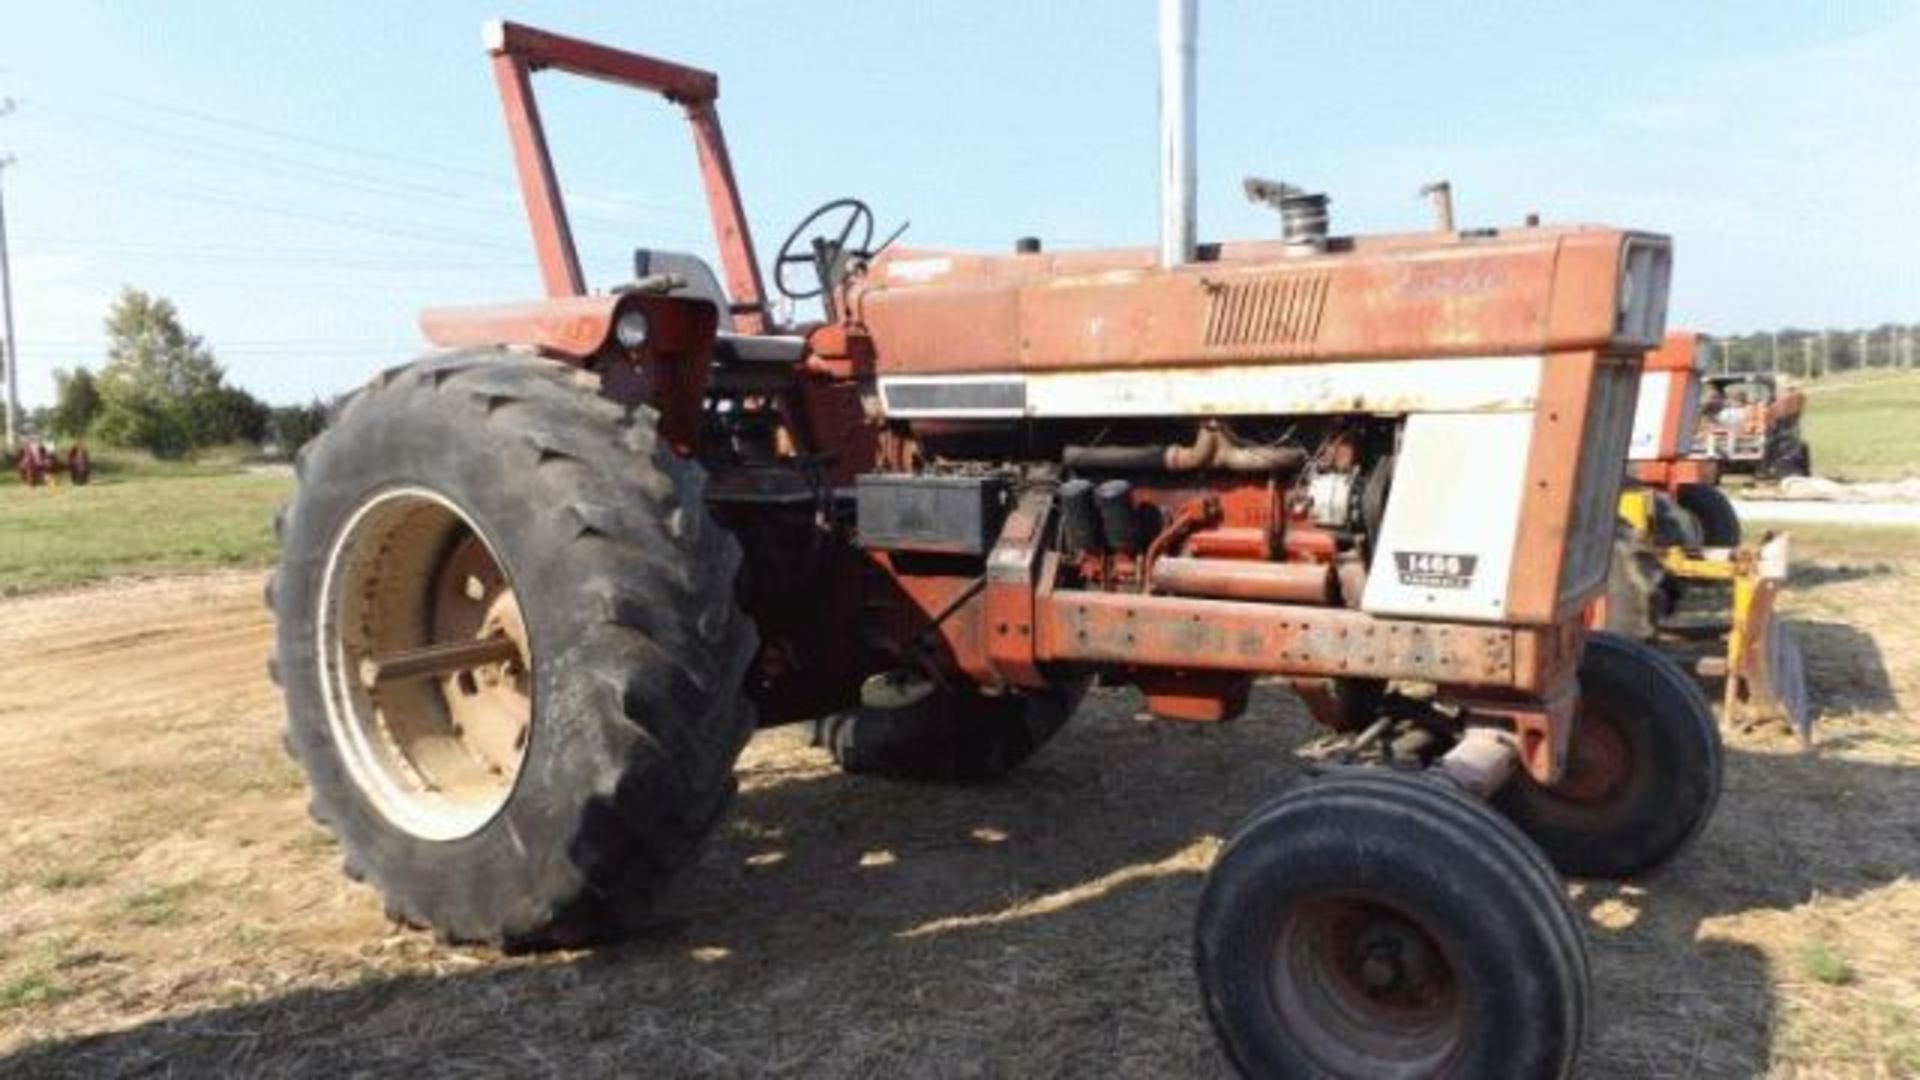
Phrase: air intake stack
pixel 1179 22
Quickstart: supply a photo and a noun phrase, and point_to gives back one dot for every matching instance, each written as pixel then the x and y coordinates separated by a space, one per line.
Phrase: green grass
pixel 66 878
pixel 32 988
pixel 141 517
pixel 1865 425
pixel 159 905
pixel 1822 964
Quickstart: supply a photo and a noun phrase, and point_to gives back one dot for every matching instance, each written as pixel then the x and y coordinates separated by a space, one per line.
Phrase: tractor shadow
pixel 1814 575
pixel 1846 672
pixel 842 926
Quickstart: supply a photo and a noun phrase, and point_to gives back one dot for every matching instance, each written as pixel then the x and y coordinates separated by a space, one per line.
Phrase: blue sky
pixel 302 177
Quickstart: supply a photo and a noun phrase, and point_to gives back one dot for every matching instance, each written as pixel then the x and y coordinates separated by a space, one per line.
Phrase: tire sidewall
pixel 498 881
pixel 1719 522
pixel 1465 897
pixel 1675 784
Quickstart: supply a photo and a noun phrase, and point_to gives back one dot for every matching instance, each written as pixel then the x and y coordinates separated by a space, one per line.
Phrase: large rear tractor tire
pixel 1373 924
pixel 1719 523
pixel 1643 772
pixel 513 664
pixel 908 729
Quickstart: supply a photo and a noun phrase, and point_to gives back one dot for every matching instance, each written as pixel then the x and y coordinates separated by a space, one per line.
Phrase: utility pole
pixel 9 347
pixel 1806 357
pixel 1774 351
pixel 1826 353
pixel 1864 354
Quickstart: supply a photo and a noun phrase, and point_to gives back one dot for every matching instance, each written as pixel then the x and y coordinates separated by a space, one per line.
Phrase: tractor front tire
pixel 1375 923
pixel 543 792
pixel 1719 523
pixel 1798 461
pixel 1643 772
pixel 943 735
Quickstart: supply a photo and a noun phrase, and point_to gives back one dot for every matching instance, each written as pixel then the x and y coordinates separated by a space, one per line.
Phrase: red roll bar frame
pixel 519 51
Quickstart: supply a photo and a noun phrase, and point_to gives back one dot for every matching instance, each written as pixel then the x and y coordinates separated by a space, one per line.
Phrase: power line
pixel 501 187
pixel 283 135
pixel 498 198
pixel 211 197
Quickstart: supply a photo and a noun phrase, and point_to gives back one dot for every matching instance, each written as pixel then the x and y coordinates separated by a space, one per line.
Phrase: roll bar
pixel 519 51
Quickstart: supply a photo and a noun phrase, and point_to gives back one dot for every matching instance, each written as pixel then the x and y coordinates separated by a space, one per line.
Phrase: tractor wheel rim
pixel 1365 988
pixel 1600 759
pixel 437 755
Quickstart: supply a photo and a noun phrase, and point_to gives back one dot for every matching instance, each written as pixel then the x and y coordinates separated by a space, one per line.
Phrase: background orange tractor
pixel 1681 576
pixel 1750 423
pixel 39 464
pixel 539 587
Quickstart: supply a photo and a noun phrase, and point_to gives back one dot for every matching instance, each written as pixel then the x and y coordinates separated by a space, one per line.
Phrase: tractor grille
pixel 1282 308
pixel 1597 495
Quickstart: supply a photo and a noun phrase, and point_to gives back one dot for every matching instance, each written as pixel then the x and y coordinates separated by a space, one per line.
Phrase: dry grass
pixel 166 908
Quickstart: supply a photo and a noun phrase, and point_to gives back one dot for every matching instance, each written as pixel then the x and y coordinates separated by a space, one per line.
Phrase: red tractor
pixel 1667 429
pixel 1681 540
pixel 539 587
pixel 1750 423
pixel 40 464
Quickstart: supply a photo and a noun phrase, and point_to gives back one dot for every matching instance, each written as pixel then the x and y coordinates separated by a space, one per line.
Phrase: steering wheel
pixel 825 256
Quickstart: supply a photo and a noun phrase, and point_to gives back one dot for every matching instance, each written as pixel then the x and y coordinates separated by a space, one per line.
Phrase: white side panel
pixel 1451 385
pixel 1650 415
pixel 1446 547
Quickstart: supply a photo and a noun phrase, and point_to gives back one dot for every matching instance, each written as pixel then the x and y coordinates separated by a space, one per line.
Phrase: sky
pixel 300 178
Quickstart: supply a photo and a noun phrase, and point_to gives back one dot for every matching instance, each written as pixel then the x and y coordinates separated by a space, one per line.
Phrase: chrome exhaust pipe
pixel 1179 23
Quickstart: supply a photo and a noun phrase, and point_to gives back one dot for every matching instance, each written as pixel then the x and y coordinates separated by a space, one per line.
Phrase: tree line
pixel 1807 353
pixel 161 390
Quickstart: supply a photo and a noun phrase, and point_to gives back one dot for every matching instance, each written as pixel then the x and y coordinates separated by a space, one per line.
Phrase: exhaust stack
pixel 1179 21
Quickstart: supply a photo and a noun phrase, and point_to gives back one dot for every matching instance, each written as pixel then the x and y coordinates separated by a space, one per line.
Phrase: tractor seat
pixel 700 283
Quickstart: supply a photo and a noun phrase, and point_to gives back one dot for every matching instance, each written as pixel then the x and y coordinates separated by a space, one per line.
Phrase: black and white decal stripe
pixel 1436 384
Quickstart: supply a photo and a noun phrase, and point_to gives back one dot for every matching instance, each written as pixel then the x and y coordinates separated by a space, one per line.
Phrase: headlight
pixel 1645 267
pixel 630 330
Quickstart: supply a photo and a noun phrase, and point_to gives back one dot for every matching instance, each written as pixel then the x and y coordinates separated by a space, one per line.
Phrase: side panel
pixel 1650 417
pixel 1447 546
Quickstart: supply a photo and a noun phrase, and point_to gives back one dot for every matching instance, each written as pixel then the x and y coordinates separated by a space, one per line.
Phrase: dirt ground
pixel 166 907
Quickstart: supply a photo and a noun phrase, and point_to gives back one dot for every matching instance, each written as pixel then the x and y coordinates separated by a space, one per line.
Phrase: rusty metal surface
pixel 1580 430
pixel 576 327
pixel 543 49
pixel 1225 635
pixel 1677 361
pixel 1672 475
pixel 518 51
pixel 1282 307
pixel 1529 292
pixel 539 190
pixel 445 658
pixel 1195 697
pixel 1244 579
pixel 1542 725
pixel 1014 575
pixel 732 236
